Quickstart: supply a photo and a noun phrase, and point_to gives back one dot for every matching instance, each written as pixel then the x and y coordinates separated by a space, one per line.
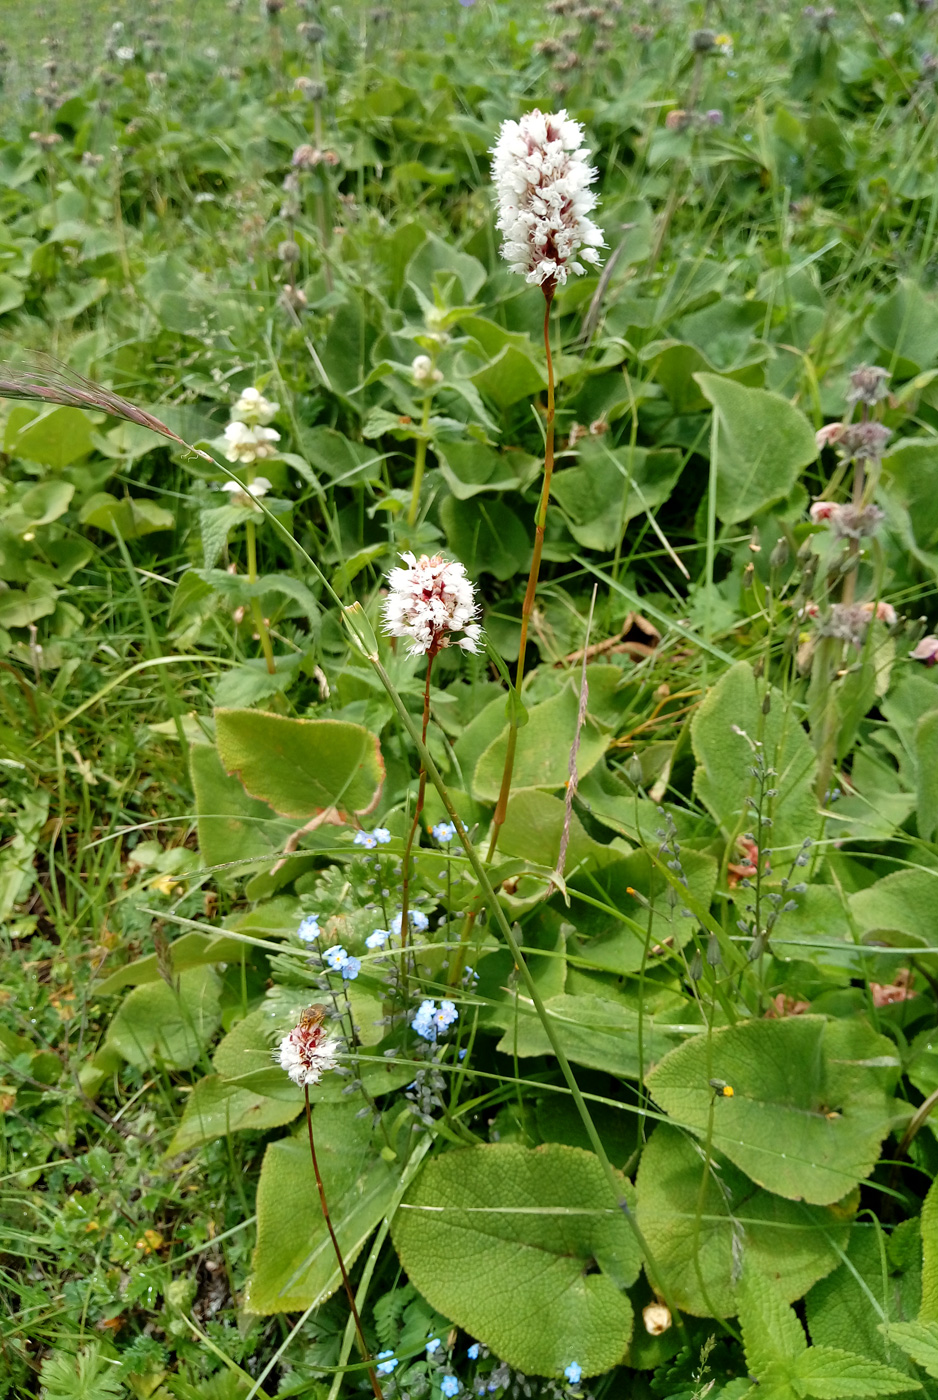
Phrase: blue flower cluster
pixel 369 839
pixel 340 961
pixel 429 1022
pixel 309 929
pixel 418 922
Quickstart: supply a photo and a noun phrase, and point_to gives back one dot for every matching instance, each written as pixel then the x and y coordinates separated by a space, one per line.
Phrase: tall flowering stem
pixel 307 1053
pixel 428 602
pixel 542 180
pixel 346 1281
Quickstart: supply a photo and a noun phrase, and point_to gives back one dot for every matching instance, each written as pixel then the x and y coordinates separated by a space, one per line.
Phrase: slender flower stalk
pixel 428 601
pixel 542 179
pixel 307 1053
pixel 250 440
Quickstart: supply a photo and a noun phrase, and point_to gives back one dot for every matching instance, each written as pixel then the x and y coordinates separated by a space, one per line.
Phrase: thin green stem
pixel 420 461
pixel 528 605
pixel 257 611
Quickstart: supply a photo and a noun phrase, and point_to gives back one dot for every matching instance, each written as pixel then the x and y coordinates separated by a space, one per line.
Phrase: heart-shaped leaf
pixel 543 1253
pixel 810 1107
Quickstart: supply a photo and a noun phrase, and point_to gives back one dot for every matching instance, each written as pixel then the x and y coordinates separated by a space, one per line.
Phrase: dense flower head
pixel 428 601
pixel 247 444
pixel 868 385
pixel 425 373
pixel 847 521
pixel 429 1020
pixel 542 181
pixel 309 1051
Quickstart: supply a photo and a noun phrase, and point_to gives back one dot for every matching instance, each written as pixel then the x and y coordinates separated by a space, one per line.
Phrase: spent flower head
pixel 428 601
pixel 867 385
pixel 542 180
pixel 308 1051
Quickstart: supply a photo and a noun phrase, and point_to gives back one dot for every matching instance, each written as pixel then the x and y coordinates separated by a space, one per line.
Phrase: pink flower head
pixel 883 612
pixel 827 435
pixel 309 1051
pixel 823 510
pixel 926 650
pixel 428 601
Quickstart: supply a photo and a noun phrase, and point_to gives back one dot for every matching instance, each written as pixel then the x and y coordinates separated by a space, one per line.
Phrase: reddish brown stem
pixel 421 793
pixel 362 1345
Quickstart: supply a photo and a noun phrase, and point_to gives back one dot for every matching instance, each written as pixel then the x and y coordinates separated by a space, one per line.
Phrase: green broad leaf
pixel 214 525
pixel 926 752
pixel 831 1374
pixel 130 518
pixel 215 1108
pixel 156 1026
pixel 55 437
pixel 918 1340
pixel 238 589
pixel 706 1224
pixel 609 487
pixel 812 1100
pixel 761 444
pixel 191 950
pixel 487 536
pixel 723 779
pixel 905 325
pixel 251 682
pixel 901 904
pixel 470 467
pixel 929 1309
pixel 910 478
pixel 351 567
pixel 847 1309
pixel 592 1030
pixel 542 758
pixel 513 374
pixel 533 829
pixel 772 1334
pixel 22 607
pixel 39 505
pixel 613 943
pixel 344 462
pixel 436 260
pixel 12 293
pixel 301 766
pixel 537 1225
pixel 233 827
pixel 294 1261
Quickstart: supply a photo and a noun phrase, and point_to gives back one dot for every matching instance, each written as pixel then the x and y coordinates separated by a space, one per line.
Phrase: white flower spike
pixel 542 180
pixel 428 601
pixel 309 1051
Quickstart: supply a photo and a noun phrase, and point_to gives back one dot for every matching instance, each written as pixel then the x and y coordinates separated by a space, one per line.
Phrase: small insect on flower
pixel 308 1051
pixel 542 181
